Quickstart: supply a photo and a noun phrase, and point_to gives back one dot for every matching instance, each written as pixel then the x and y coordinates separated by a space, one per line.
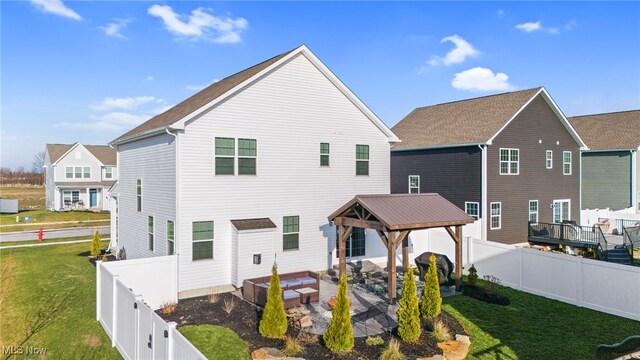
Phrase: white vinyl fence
pixel 598 285
pixel 129 319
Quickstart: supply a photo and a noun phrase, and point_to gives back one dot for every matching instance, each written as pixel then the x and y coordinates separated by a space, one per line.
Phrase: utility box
pixel 8 206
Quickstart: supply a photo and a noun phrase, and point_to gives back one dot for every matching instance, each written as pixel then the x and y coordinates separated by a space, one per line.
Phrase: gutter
pixel 142 135
pixel 441 146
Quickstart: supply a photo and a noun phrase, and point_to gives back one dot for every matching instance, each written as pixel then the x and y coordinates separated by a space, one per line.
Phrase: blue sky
pixel 89 71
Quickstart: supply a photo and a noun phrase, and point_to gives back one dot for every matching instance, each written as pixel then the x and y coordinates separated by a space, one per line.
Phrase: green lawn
pixel 534 327
pixel 29 197
pixel 49 241
pixel 45 216
pixel 53 289
pixel 216 342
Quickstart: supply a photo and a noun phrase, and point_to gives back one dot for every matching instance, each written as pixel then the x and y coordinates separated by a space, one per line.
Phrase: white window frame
pixel 138 196
pixel 638 198
pixel 66 173
pixel 509 161
pixel 327 154
pixel 553 213
pixel 151 231
pixel 565 163
pixel 364 160
pixel 84 168
pixel 466 209
pixel 238 156
pixel 417 187
pixel 171 238
pixel 108 172
pixel 534 212
pixel 211 240
pixel 76 172
pixel 499 215
pixel 548 159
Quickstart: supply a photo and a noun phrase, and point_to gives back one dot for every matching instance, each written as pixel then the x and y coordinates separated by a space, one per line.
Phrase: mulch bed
pixel 92 260
pixel 244 320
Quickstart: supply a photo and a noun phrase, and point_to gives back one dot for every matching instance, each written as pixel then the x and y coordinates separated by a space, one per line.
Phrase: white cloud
pixel 462 50
pixel 537 26
pixel 123 103
pixel 529 26
pixel 115 28
pixel 56 7
pixel 201 24
pixel 118 117
pixel 481 79
pixel 500 12
pixel 200 87
pixel 151 78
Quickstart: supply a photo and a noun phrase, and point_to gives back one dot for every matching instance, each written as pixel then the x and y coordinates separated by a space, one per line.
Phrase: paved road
pixel 54 233
pixel 47 244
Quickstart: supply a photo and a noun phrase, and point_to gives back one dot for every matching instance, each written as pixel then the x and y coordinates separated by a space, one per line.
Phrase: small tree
pixel 274 320
pixel 95 245
pixel 430 300
pixel 339 334
pixel 472 278
pixel 408 313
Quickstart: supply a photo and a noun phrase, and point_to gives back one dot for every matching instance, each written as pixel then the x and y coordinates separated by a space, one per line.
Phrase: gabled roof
pixel 403 211
pixel 609 131
pixel 203 100
pixel 468 122
pixel 105 154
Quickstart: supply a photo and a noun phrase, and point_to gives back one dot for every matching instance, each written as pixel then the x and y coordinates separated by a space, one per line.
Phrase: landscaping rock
pixel 454 349
pixel 463 339
pixel 267 354
pixel 434 357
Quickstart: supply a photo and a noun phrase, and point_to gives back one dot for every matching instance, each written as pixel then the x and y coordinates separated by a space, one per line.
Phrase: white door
pixel 561 210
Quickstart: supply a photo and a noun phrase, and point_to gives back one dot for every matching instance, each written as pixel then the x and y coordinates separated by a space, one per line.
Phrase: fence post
pixel 114 312
pixel 98 289
pixel 579 265
pixel 520 268
pixel 171 327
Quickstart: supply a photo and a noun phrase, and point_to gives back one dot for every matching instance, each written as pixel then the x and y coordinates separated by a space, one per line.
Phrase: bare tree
pixel 38 163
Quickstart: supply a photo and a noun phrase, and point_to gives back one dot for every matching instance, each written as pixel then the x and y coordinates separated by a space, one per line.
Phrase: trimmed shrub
pixel 104 258
pixel 408 314
pixel 472 278
pixel 430 300
pixel 95 245
pixel 374 341
pixel 392 351
pixel 274 320
pixel 339 334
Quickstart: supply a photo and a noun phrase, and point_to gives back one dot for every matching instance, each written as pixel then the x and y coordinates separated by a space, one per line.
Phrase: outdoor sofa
pixel 256 290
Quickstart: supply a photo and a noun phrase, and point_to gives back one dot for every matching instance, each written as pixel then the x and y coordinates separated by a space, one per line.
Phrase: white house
pixel 78 176
pixel 246 172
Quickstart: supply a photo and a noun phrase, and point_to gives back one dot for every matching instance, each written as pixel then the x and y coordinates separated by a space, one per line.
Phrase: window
pixel 509 161
pixel 86 173
pixel 68 172
pixel 291 233
pixel 150 231
pixel 66 197
pixel 355 244
pixel 170 238
pixel 247 153
pixel 362 159
pixel 414 184
pixel 566 163
pixel 78 172
pixel 561 210
pixel 496 215
pixel 75 196
pixel 638 197
pixel 139 195
pixel 549 159
pixel 202 238
pixel 225 152
pixel 533 211
pixel 324 154
pixel 472 209
pixel 108 173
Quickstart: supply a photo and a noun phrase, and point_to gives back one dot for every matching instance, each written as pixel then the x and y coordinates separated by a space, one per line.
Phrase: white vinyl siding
pixel 496 215
pixel 509 161
pixel 289 112
pixel 566 162
pixel 549 159
pixel 414 184
pixel 472 209
pixel 533 211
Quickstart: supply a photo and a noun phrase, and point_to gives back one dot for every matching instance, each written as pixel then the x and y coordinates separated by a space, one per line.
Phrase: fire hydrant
pixel 40 235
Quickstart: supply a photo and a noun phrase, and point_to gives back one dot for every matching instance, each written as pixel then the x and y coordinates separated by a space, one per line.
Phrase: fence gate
pixel 145 332
pixel 160 337
pixel 127 320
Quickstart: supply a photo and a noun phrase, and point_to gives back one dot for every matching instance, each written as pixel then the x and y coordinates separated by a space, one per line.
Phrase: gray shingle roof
pixel 610 131
pixel 200 99
pixel 253 224
pixel 105 154
pixel 471 121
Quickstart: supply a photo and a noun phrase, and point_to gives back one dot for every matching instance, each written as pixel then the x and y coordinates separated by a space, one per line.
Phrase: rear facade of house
pixel 251 176
pixel 611 166
pixel 525 168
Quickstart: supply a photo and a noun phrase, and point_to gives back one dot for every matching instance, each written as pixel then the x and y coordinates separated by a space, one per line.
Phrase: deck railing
pixel 630 239
pixel 620 223
pixel 566 232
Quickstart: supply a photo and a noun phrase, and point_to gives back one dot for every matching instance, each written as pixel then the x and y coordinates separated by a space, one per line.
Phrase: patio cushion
pixel 307 280
pixel 290 283
pixel 264 285
pixel 290 294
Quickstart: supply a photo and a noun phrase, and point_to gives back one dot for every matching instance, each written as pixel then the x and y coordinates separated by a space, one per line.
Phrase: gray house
pixel 611 166
pixel 505 159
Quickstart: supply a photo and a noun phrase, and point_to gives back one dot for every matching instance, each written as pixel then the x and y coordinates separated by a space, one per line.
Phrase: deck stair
pixel 619 256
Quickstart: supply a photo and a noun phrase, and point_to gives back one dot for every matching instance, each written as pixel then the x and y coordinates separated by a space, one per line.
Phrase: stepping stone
pixel 267 354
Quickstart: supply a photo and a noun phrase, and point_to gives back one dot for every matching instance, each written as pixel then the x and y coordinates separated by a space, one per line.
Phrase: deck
pixel 566 234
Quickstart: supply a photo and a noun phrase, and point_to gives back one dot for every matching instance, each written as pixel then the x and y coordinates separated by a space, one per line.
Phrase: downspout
pixel 115 235
pixel 634 181
pixel 176 224
pixel 483 192
pixel 580 188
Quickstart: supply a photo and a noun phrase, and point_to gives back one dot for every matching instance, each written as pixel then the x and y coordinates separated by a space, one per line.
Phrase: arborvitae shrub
pixel 274 320
pixel 408 314
pixel 472 278
pixel 339 334
pixel 430 300
pixel 95 245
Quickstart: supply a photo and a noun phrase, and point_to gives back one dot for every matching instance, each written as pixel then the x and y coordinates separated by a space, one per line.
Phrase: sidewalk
pixel 54 233
pixel 45 243
pixel 55 222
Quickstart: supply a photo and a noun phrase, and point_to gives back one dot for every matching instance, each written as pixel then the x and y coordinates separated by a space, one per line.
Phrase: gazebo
pixel 394 217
